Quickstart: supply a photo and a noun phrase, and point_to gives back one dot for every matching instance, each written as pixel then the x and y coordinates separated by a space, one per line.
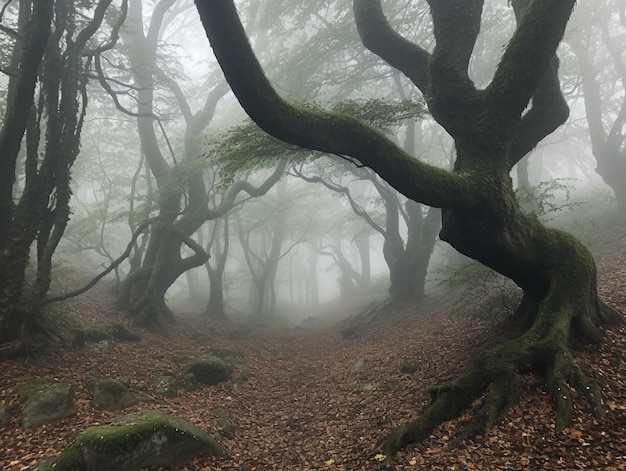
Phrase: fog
pixel 320 240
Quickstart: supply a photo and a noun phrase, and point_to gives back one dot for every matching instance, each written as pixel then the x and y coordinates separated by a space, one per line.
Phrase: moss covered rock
pixel 210 370
pixel 228 354
pixel 110 394
pixel 44 401
pixel 104 332
pixel 227 428
pixel 135 441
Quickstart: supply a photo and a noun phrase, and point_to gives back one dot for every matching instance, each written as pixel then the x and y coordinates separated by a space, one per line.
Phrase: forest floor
pixel 316 401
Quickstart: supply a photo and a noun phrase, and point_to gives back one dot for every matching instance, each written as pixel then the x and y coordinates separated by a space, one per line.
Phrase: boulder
pixel 165 383
pixel 44 401
pixel 210 370
pixel 104 333
pixel 110 394
pixel 227 428
pixel 135 441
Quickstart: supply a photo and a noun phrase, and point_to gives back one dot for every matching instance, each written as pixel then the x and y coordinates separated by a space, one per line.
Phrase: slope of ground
pixel 314 401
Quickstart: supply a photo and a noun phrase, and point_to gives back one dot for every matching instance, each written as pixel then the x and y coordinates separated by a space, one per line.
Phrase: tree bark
pixel 42 212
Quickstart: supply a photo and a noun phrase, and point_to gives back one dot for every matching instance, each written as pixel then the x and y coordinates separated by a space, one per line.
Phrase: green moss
pixel 242 378
pixel 125 333
pixel 227 428
pixel 390 385
pixel 92 333
pixel 133 440
pixel 27 390
pixel 210 370
pixel 186 356
pixel 102 332
pixel 228 354
pixel 69 460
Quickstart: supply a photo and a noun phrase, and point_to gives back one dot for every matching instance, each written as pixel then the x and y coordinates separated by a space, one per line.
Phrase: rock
pixel 166 384
pixel 124 333
pixel 135 441
pixel 210 370
pixel 227 428
pixel 228 354
pixel 44 401
pixel 110 394
pixel 104 333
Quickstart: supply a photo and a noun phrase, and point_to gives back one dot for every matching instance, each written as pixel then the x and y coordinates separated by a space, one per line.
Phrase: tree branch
pixel 319 130
pixel 522 68
pixel 400 53
pixel 113 266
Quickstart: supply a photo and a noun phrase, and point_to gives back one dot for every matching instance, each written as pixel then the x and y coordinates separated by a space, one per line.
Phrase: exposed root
pixel 496 375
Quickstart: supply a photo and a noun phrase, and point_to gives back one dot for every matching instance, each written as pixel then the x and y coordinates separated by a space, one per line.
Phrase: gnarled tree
pixel 493 128
pixel 55 42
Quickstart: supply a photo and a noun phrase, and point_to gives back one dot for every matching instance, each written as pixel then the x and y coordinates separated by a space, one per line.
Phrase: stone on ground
pixel 135 441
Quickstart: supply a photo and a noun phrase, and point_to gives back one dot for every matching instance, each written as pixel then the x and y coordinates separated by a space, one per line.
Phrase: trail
pixel 316 401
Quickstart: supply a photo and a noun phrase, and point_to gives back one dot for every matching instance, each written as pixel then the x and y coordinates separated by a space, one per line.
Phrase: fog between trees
pixel 122 105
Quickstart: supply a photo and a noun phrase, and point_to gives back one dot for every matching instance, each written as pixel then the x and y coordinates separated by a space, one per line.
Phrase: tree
pixel 493 128
pixel 605 119
pixel 218 247
pixel 183 199
pixel 55 45
pixel 407 261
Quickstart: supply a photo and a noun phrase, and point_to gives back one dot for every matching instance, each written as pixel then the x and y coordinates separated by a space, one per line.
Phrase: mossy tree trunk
pixel 493 129
pixel 55 51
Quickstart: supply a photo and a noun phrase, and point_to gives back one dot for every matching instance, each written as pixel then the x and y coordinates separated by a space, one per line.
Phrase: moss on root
pixel 496 376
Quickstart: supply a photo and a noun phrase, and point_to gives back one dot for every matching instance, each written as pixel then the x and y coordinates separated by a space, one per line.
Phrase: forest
pixel 296 235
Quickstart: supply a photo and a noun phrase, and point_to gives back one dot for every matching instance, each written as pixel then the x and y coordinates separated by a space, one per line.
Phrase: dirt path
pixel 314 401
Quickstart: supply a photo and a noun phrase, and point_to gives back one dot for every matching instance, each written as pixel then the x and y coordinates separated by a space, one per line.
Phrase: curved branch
pixel 72 294
pixel 456 27
pixel 243 185
pixel 88 31
pixel 319 130
pixel 549 111
pixel 356 208
pixel 115 32
pixel 400 53
pixel 523 67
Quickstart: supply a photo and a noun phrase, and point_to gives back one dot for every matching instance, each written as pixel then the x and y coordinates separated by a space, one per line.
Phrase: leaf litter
pixel 303 405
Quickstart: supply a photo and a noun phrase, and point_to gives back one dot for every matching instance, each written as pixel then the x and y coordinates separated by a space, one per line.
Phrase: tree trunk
pixel 364 281
pixel 560 306
pixel 408 265
pixel 42 211
pixel 215 305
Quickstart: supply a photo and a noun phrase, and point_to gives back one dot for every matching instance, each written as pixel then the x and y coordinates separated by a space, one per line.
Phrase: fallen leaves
pixel 304 409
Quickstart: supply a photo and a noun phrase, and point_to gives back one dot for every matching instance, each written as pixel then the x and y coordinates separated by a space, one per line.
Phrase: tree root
pixel 496 375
